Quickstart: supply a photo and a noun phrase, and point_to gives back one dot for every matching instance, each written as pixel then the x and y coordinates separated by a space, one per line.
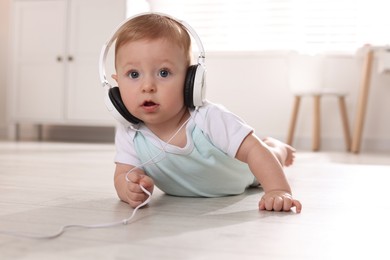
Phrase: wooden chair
pixel 305 79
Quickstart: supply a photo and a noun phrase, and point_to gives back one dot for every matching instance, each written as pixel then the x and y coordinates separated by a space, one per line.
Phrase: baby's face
pixel 150 76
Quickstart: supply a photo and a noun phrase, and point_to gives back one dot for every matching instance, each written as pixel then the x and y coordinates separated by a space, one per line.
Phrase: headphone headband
pixel 194 83
pixel 110 41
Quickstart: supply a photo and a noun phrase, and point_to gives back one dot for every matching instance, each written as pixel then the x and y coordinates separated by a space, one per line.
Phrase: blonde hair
pixel 153 27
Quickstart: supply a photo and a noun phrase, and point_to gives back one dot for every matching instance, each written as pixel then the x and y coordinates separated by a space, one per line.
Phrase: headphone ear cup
pixel 117 103
pixel 189 86
pixel 195 86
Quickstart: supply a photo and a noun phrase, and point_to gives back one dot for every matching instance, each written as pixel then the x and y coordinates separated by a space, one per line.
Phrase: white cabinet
pixel 56 46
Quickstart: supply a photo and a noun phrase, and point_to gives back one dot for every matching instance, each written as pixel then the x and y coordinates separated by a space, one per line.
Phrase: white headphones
pixel 194 85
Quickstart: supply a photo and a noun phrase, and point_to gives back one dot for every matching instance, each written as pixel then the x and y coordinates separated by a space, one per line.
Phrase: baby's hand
pixel 134 194
pixel 279 200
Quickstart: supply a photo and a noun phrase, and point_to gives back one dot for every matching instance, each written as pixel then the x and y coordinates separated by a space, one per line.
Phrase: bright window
pixel 302 25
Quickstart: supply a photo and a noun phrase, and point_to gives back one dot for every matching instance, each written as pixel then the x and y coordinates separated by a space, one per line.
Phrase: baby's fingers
pixel 297 205
pixel 147 183
pixel 262 204
pixel 267 203
pixel 133 177
pixel 291 203
pixel 279 204
pixel 135 195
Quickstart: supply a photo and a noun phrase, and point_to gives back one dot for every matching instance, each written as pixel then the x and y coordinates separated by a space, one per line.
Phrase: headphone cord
pixel 67 227
pixel 125 221
pixel 162 150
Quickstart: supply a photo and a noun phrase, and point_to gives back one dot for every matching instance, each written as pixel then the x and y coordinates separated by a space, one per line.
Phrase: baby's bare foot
pixel 290 155
pixel 284 152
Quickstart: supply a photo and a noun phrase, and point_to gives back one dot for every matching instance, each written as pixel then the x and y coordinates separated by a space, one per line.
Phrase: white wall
pixel 255 86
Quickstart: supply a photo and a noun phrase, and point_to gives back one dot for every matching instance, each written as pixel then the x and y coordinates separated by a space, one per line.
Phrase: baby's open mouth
pixel 149 104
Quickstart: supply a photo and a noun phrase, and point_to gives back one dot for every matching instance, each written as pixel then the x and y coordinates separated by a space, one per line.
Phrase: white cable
pixel 66 227
pixel 105 225
pixel 162 151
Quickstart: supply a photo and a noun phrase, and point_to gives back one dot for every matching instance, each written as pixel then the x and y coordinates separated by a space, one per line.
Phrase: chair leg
pixel 293 121
pixel 316 123
pixel 362 102
pixel 344 118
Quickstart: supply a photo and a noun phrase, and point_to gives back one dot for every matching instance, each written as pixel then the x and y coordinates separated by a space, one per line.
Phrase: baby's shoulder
pixel 210 109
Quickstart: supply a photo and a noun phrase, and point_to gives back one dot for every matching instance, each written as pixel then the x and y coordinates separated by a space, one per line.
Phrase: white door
pixel 40 28
pixel 91 23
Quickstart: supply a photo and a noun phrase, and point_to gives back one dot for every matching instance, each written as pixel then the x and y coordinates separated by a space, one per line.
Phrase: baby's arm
pixel 268 171
pixel 130 191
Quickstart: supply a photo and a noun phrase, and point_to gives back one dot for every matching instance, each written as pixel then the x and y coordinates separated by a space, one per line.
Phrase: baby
pixel 183 149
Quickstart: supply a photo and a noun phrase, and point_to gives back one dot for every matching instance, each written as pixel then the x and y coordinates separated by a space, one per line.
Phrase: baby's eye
pixel 164 73
pixel 133 74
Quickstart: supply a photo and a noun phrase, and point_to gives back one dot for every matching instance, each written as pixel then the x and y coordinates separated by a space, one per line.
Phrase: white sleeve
pixel 224 129
pixel 124 144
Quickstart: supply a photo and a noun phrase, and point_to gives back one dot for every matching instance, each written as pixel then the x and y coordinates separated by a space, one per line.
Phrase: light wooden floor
pixel 346 211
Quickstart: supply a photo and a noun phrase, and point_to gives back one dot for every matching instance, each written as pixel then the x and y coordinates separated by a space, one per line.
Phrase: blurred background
pixel 50 89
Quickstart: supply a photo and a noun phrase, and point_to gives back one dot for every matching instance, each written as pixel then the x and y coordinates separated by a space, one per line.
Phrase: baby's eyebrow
pixel 130 64
pixel 167 61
